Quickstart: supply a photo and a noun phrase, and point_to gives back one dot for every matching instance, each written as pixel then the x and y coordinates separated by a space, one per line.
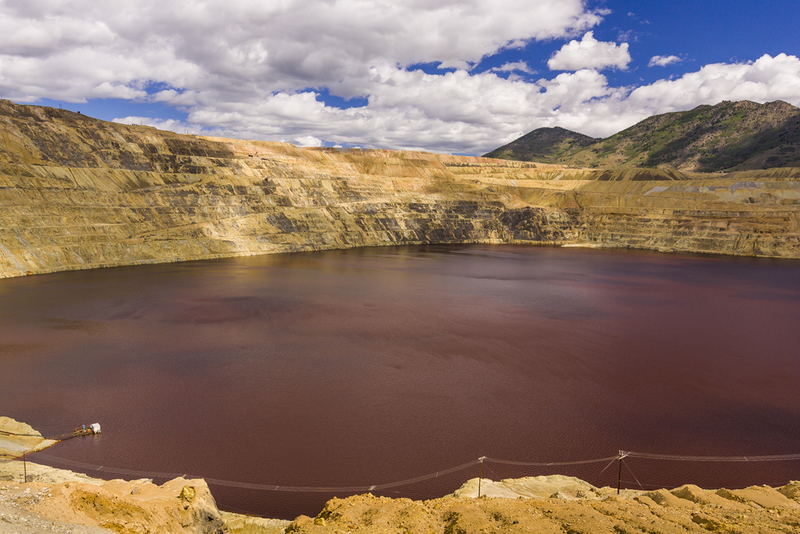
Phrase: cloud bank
pixel 258 70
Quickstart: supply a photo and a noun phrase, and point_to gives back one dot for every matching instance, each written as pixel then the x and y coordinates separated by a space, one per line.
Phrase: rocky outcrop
pixel 541 487
pixel 685 509
pixel 18 438
pixel 125 507
pixel 78 193
pixel 37 498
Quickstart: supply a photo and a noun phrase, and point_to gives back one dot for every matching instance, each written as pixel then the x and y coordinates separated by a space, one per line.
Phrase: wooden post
pixel 622 454
pixel 24 468
pixel 480 474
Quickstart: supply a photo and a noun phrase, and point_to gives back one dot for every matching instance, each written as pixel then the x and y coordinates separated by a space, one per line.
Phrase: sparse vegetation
pixel 729 136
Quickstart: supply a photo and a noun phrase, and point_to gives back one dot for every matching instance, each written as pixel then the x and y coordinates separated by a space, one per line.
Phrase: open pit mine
pixel 80 193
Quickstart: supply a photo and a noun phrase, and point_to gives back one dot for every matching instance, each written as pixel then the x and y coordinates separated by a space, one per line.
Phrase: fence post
pixel 480 474
pixel 622 454
pixel 24 468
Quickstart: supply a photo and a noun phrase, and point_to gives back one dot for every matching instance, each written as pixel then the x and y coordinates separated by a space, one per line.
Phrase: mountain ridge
pixel 730 136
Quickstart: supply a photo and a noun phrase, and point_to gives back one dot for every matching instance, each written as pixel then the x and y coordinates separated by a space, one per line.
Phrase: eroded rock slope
pixel 688 509
pixel 79 193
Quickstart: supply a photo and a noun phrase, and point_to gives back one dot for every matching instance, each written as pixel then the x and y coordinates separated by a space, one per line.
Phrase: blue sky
pixel 701 32
pixel 438 75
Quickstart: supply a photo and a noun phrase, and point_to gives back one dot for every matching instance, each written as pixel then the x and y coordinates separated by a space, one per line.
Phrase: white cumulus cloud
pixel 517 66
pixel 258 69
pixel 663 61
pixel 475 113
pixel 245 48
pixel 766 79
pixel 589 53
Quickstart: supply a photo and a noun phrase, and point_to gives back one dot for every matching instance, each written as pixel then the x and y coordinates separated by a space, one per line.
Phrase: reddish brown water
pixel 369 366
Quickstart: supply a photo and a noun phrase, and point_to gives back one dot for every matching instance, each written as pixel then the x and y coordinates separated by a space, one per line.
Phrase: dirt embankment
pixel 62 501
pixel 18 438
pixel 57 500
pixel 36 498
pixel 118 506
pixel 687 509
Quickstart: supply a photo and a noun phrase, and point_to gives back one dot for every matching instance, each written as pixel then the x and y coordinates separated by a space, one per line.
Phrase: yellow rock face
pixel 18 438
pixel 686 509
pixel 78 193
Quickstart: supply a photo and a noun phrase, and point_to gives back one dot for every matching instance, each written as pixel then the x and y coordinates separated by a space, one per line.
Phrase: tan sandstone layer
pixel 78 193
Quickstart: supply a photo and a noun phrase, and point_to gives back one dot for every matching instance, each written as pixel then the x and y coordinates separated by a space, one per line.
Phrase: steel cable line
pixel 547 464
pixel 263 487
pixel 769 458
pixel 422 478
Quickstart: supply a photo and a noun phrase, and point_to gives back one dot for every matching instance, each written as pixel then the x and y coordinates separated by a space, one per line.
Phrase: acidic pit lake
pixel 363 367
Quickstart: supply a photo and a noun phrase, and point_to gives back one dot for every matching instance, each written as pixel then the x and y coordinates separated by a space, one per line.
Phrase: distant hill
pixel 544 144
pixel 729 136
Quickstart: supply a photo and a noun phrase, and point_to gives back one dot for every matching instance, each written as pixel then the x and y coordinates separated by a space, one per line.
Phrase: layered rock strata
pixel 78 193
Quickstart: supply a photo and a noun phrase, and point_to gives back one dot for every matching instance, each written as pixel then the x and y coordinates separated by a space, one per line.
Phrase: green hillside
pixel 729 136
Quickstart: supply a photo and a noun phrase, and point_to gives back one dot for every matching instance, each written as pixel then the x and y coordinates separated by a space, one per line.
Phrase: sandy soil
pixel 686 509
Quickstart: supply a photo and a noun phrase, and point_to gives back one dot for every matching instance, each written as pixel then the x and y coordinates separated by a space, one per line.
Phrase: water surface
pixel 361 367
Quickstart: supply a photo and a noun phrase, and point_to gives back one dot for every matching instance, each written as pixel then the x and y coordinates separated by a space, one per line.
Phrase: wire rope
pixel 769 458
pixel 263 487
pixel 410 481
pixel 548 464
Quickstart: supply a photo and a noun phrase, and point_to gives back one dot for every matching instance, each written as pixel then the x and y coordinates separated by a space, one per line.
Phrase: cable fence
pixel 770 458
pixel 608 460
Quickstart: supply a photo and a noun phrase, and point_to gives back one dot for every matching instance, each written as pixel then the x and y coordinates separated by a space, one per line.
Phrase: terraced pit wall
pixel 79 193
